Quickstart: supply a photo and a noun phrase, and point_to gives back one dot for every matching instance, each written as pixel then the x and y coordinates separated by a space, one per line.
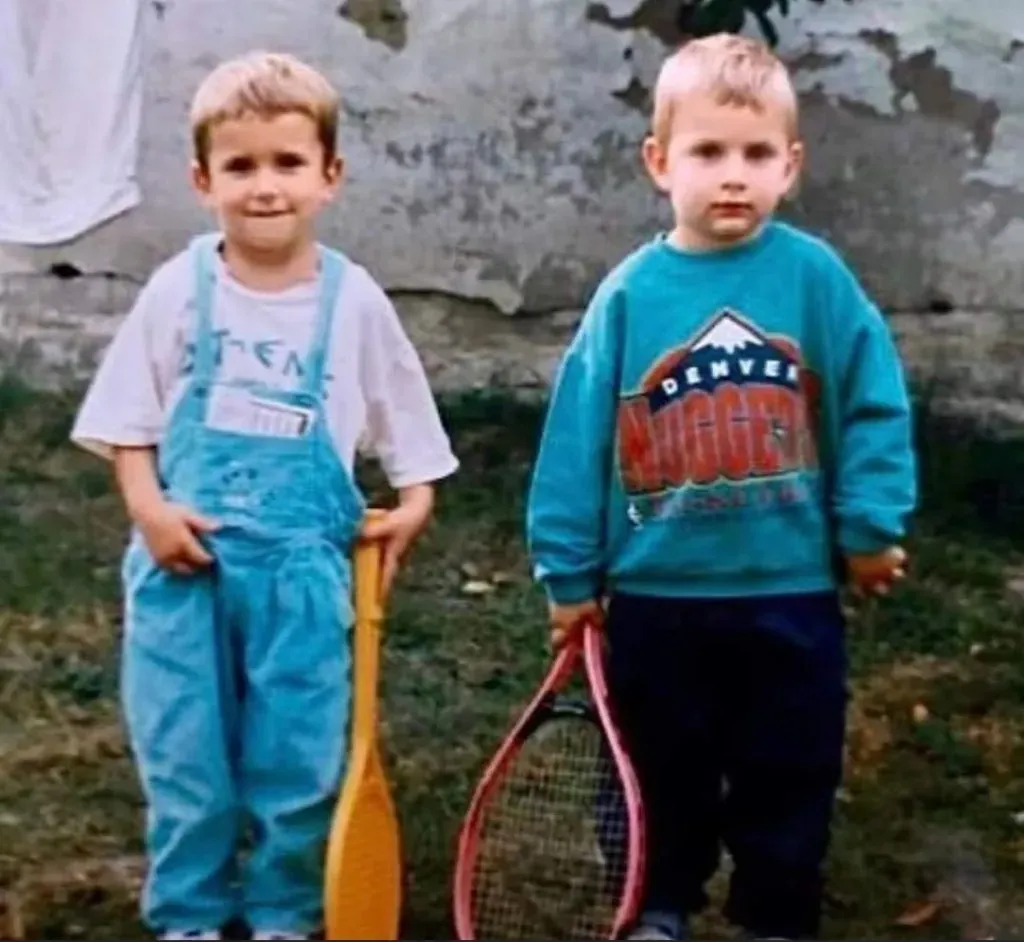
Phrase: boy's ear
pixel 797 155
pixel 656 161
pixel 335 171
pixel 200 180
pixel 334 176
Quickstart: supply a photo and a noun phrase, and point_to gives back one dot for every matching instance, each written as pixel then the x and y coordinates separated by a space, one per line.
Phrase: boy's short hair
pixel 734 70
pixel 265 85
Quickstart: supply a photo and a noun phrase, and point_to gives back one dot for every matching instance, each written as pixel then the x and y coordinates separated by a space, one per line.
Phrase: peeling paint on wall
pixel 921 85
pixel 657 17
pixel 943 59
pixel 382 20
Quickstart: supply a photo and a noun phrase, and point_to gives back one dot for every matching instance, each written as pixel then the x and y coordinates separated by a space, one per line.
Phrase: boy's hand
pixel 565 618
pixel 399 528
pixel 171 533
pixel 875 573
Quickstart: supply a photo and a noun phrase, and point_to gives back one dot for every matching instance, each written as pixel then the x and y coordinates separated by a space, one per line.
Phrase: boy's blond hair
pixel 734 70
pixel 265 85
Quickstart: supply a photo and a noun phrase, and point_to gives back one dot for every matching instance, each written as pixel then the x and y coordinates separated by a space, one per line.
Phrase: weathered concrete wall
pixel 494 173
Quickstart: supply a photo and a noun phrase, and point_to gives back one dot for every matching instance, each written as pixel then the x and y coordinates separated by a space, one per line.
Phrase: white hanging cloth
pixel 69 116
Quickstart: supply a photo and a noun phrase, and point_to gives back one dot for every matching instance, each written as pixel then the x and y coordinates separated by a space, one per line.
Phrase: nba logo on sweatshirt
pixel 732 406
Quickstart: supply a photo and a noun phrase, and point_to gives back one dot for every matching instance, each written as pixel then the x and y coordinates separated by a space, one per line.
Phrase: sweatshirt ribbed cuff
pixel 571 590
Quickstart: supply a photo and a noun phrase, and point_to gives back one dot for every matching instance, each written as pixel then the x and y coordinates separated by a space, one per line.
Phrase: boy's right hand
pixel 171 533
pixel 876 573
pixel 565 618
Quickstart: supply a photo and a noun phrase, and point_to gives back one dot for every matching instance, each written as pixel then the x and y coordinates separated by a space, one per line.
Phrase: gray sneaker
pixel 660 925
pixel 188 935
pixel 644 931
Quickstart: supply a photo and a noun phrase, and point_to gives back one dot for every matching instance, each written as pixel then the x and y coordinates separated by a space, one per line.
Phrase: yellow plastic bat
pixel 363 881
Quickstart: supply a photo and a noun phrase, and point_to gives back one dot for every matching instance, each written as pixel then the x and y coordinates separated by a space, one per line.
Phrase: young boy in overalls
pixel 729 421
pixel 232 402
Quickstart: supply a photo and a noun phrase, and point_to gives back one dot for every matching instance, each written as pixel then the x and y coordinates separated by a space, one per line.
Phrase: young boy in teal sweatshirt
pixel 728 438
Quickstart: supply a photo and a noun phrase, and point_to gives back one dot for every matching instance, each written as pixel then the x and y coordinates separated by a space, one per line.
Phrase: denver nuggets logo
pixel 733 405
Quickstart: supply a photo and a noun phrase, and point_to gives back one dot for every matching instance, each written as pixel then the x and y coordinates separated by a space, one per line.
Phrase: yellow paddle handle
pixel 367 564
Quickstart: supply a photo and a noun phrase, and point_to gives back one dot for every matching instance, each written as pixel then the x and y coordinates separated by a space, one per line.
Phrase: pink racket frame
pixel 584 645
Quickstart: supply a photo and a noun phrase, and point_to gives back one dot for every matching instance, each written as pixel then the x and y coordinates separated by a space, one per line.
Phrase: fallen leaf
pixel 477 587
pixel 1015 584
pixel 919 913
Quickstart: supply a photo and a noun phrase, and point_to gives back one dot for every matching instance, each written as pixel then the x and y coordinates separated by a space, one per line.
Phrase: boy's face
pixel 724 167
pixel 266 179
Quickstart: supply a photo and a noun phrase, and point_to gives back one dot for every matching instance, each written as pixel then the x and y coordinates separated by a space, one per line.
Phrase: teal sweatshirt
pixel 721 425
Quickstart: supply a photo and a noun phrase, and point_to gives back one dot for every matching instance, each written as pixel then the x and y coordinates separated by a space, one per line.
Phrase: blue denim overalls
pixel 236 681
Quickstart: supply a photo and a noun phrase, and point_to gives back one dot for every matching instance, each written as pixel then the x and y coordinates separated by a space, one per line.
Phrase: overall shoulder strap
pixel 332 271
pixel 203 250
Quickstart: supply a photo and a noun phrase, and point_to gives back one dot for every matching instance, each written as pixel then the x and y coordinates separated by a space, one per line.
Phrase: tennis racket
pixel 552 846
pixel 364 881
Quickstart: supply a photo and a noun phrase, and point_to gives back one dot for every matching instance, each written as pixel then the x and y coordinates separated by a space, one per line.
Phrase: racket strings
pixel 552 854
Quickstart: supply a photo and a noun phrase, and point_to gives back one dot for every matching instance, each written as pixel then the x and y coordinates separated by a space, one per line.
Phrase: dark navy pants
pixel 734 714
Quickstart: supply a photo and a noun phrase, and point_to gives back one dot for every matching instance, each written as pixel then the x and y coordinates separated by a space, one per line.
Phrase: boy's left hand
pixel 875 573
pixel 399 528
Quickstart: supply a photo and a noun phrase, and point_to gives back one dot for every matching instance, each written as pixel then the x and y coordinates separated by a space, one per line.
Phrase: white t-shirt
pixel 378 399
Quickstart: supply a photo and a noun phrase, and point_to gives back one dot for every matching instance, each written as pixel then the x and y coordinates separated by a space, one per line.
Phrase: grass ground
pixel 930 837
